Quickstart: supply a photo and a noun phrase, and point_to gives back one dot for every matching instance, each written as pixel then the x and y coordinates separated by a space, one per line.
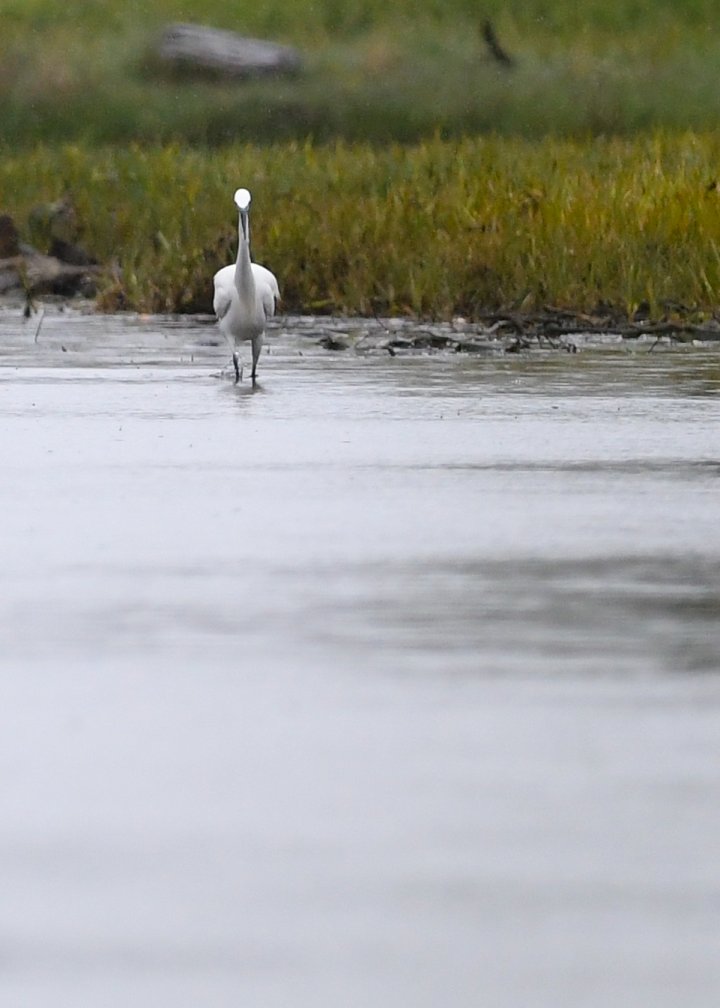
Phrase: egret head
pixel 242 200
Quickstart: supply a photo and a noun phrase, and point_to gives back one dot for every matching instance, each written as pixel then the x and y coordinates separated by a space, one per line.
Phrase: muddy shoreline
pixel 494 333
pixel 509 332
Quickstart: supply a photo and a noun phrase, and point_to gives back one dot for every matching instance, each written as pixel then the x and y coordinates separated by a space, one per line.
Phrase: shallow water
pixel 391 682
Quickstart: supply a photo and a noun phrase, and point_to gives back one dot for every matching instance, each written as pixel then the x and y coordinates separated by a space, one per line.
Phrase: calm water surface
pixel 393 682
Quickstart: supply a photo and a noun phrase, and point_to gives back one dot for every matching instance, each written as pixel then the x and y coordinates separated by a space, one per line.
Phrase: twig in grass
pixel 496 326
pixel 494 48
pixel 39 325
pixel 381 323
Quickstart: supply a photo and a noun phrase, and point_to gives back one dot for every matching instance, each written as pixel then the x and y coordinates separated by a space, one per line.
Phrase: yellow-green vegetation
pixel 373 70
pixel 433 230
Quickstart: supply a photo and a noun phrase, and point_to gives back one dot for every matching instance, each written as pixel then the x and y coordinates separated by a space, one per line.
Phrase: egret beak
pixel 245 224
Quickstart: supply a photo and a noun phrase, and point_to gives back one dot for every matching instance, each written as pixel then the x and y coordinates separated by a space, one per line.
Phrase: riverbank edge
pixel 493 333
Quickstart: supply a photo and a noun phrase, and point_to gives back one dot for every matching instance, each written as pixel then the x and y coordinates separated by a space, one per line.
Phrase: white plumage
pixel 246 294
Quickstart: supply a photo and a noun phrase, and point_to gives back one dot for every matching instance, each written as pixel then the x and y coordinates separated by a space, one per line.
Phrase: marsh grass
pixel 434 230
pixel 374 71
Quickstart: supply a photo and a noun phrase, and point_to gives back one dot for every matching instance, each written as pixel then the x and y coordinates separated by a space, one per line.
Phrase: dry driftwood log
pixel 65 271
pixel 40 274
pixel 190 47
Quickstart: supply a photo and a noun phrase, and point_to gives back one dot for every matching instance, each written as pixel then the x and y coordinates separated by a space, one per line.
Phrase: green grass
pixel 402 172
pixel 435 230
pixel 374 71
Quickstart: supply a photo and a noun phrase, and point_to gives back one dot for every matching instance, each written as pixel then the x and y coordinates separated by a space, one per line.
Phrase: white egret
pixel 246 294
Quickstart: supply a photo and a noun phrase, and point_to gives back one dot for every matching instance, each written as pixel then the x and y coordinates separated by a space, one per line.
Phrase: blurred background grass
pixel 374 71
pixel 404 171
pixel 433 230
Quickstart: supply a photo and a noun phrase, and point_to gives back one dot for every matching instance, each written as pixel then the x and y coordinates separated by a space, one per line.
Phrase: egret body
pixel 246 294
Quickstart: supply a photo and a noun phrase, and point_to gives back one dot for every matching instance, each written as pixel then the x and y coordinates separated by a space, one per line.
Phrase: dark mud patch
pixel 502 333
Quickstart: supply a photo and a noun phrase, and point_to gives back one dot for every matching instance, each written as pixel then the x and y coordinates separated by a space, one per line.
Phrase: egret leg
pixel 238 369
pixel 256 347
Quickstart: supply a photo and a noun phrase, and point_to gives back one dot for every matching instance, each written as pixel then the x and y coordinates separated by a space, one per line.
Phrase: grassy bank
pixel 373 71
pixel 434 230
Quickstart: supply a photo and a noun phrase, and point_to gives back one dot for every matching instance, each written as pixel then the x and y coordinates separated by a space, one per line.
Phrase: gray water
pixel 393 682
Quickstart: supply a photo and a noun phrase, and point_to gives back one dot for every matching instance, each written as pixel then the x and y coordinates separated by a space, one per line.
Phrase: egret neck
pixel 244 280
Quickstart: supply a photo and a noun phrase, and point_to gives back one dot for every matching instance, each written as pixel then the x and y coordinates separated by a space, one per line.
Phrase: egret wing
pixel 267 288
pixel 224 287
